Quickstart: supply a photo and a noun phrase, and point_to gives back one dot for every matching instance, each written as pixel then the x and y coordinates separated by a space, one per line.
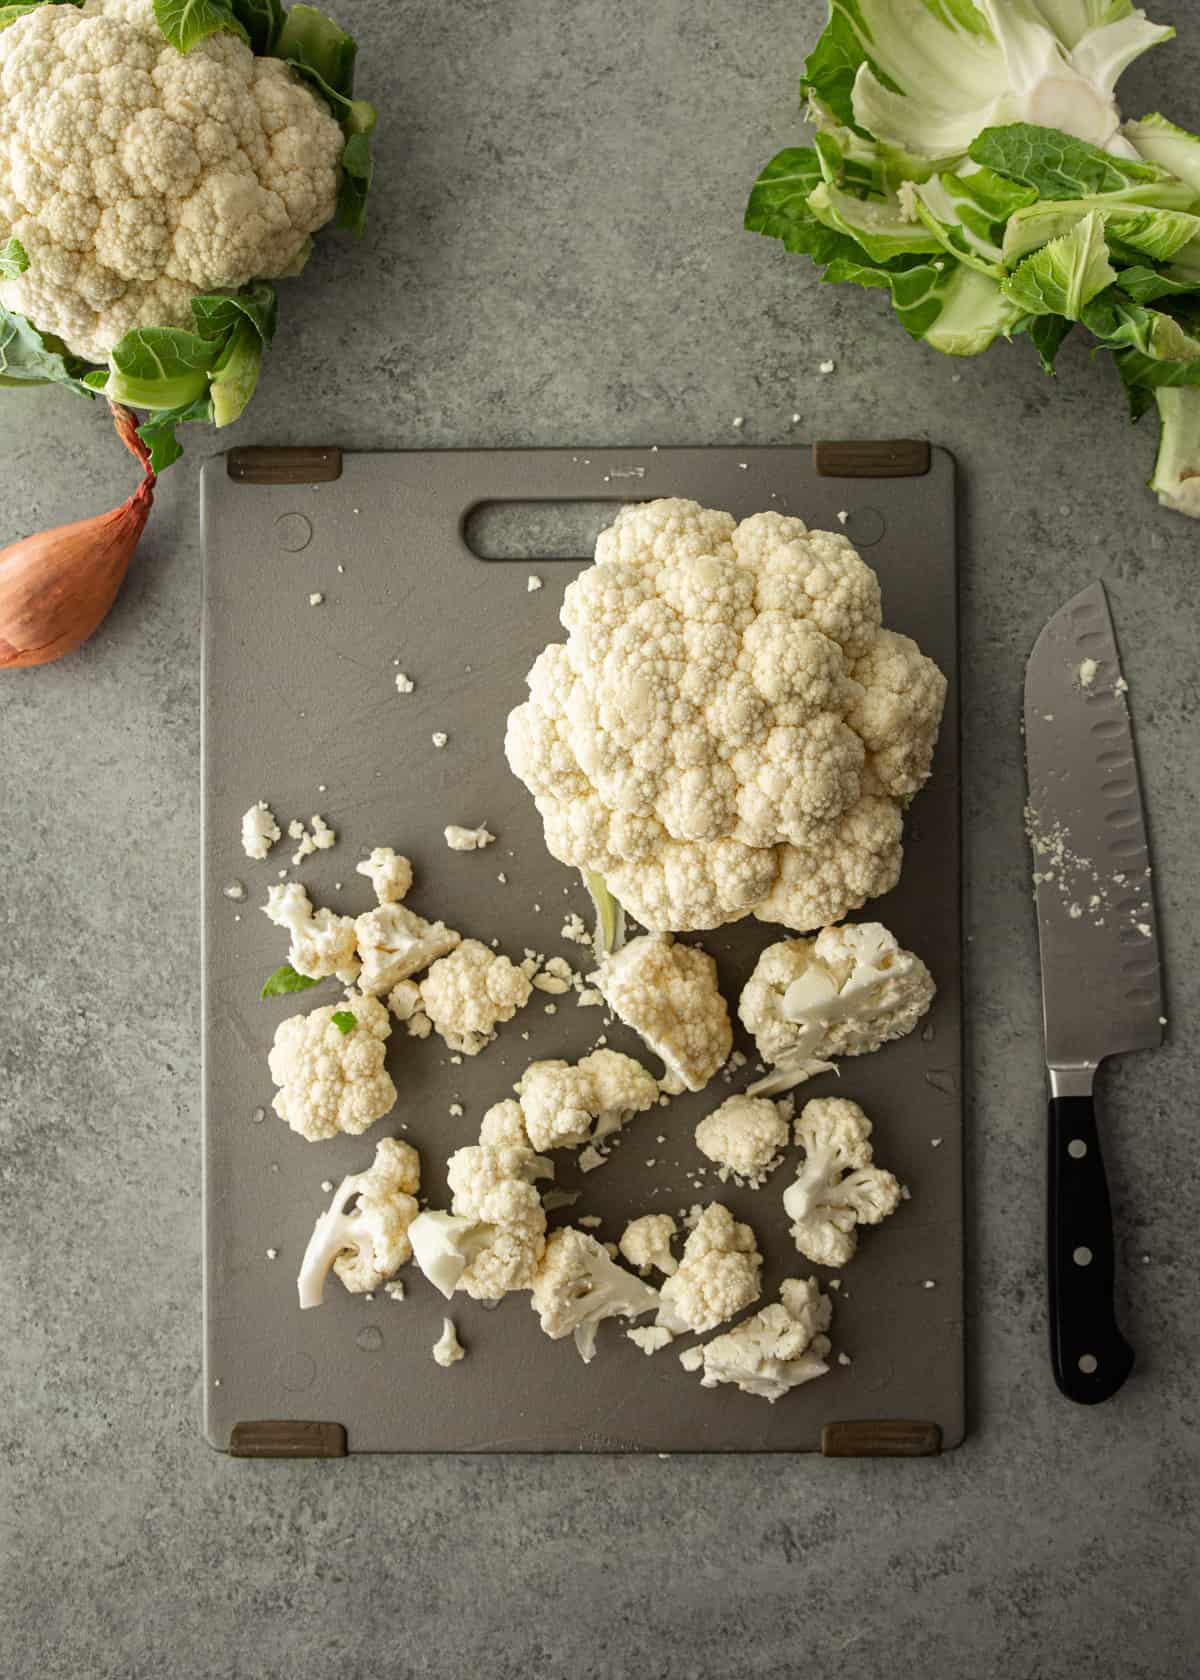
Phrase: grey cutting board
pixel 300 709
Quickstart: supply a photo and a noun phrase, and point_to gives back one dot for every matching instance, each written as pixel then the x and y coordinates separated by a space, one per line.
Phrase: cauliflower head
pixel 136 176
pixel 746 1136
pixel 467 993
pixel 668 994
pixel 578 1284
pixel 322 942
pixel 646 1242
pixel 844 993
pixel 727 729
pixel 332 1081
pixel 838 1188
pixel 566 1106
pixel 718 1275
pixel 777 1349
pixel 364 1234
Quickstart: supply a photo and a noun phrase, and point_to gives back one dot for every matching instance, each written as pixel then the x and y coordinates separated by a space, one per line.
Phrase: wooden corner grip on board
pixel 885 458
pixel 881 1438
pixel 287 1438
pixel 283 466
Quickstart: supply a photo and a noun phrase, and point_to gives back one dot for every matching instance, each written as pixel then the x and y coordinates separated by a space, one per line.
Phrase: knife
pixel 1101 975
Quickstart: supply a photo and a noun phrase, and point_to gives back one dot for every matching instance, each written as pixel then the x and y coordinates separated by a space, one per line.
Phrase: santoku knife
pixel 1101 978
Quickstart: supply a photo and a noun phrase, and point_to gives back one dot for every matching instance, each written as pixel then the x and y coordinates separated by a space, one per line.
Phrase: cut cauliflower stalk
pixel 578 1284
pixel 727 729
pixel 668 994
pixel 746 1137
pixel 364 1234
pixel 838 1188
pixel 389 873
pixel 448 1350
pixel 844 993
pixel 332 1081
pixel 322 942
pixel 468 993
pixel 718 1275
pixel 394 943
pixel 646 1242
pixel 136 176
pixel 777 1349
pixel 565 1106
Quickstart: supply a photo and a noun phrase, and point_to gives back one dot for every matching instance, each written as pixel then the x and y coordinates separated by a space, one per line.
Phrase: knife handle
pixel 1090 1356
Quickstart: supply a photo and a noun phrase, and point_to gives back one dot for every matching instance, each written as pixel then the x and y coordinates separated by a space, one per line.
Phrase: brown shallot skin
pixel 56 587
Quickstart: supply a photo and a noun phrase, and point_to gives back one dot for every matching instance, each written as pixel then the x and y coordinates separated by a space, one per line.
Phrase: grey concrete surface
pixel 555 256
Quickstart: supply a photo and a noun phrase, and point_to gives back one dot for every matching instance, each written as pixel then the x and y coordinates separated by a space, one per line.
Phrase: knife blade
pixel 1100 964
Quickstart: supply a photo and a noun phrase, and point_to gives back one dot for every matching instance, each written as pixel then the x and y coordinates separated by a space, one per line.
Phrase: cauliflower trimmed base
pixel 746 1137
pixel 364 1234
pixel 468 993
pixel 727 729
pixel 838 1188
pixel 719 1274
pixel 333 1081
pixel 777 1349
pixel 668 994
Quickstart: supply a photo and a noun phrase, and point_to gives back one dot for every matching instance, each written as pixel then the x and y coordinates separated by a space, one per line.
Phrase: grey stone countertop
pixel 555 257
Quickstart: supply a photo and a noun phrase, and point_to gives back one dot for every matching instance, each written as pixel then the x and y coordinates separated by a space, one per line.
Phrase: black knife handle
pixel 1090 1356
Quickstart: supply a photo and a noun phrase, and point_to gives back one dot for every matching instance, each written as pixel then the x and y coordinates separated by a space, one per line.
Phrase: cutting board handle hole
pixel 528 532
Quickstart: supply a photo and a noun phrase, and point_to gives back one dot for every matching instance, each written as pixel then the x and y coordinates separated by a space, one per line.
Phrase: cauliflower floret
pixel 460 839
pixel 646 1242
pixel 395 943
pixel 364 1233
pixel 259 830
pixel 668 994
pixel 448 1350
pixel 718 1275
pixel 777 1349
pixel 746 1136
pixel 333 1081
pixel 136 176
pixel 837 1189
pixel 389 873
pixel 565 1107
pixel 322 942
pixel 726 730
pixel 404 1001
pixel 578 1284
pixel 469 992
pixel 844 993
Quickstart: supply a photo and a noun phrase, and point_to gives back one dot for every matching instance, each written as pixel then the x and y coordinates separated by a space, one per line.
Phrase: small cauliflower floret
pixel 259 830
pixel 448 1350
pixel 389 873
pixel 746 1136
pixel 651 1338
pixel 395 943
pixel 646 1242
pixel 333 1081
pixel 461 839
pixel 578 1283
pixel 322 942
pixel 844 993
pixel 837 1189
pixel 404 1001
pixel 777 1349
pixel 468 993
pixel 719 1274
pixel 668 994
pixel 364 1234
pixel 565 1107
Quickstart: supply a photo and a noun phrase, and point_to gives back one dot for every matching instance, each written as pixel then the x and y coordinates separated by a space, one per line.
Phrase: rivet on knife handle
pixel 1090 1356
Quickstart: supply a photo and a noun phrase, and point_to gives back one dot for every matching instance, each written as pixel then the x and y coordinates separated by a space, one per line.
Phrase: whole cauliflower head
pixel 844 993
pixel 467 993
pixel 838 1188
pixel 727 728
pixel 578 1284
pixel 646 1241
pixel 746 1136
pixel 364 1234
pixel 668 994
pixel 719 1274
pixel 322 942
pixel 332 1081
pixel 567 1106
pixel 136 176
pixel 777 1349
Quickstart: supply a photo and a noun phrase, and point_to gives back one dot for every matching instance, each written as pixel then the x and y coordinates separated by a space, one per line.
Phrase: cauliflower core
pixel 135 176
pixel 727 729
pixel 668 994
pixel 844 993
pixel 364 1234
pixel 746 1136
pixel 718 1275
pixel 777 1349
pixel 838 1188
pixel 332 1081
pixel 467 993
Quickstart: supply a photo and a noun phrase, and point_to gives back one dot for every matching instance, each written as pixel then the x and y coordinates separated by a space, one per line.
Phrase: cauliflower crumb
pixel 394 1290
pixel 573 929
pixel 1086 673
pixel 316 598
pixel 651 1338
pixel 404 683
pixel 439 738
pixel 448 1350
pixel 466 839
pixel 320 840
pixel 259 831
pixel 532 583
pixel 826 367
